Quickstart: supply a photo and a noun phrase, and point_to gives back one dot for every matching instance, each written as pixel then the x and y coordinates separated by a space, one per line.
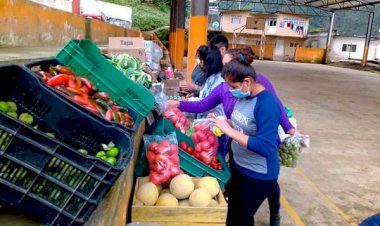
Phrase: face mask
pixel 198 61
pixel 239 94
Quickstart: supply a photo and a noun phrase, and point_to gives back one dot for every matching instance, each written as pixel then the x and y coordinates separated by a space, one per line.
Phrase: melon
pixel 181 186
pixel 143 180
pixel 213 203
pixel 165 190
pixel 167 200
pixel 209 183
pixel 184 202
pixel 200 197
pixel 138 203
pixel 147 194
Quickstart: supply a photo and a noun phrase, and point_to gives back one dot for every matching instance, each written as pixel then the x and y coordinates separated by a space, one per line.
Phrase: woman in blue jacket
pixel 255 166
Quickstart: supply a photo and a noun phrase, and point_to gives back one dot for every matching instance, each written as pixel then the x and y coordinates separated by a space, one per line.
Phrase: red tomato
pixel 205 145
pixel 175 159
pixel 155 178
pixel 183 145
pixel 195 137
pixel 205 127
pixel 150 156
pixel 211 139
pixel 158 166
pixel 190 150
pixel 205 157
pixel 173 119
pixel 198 148
pixel 175 170
pixel 182 120
pixel 165 143
pixel 197 127
pixel 152 146
pixel 166 176
pixel 220 167
pixel 201 137
pixel 214 165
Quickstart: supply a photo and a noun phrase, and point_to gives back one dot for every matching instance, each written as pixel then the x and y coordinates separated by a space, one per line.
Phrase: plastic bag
pixel 289 151
pixel 178 118
pixel 162 155
pixel 206 142
pixel 157 90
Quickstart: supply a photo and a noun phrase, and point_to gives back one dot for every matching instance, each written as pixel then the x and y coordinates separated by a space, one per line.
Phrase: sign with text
pixel 123 43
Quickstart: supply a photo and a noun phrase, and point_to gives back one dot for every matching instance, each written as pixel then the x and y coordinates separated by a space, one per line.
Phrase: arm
pixel 285 123
pixel 267 119
pixel 204 105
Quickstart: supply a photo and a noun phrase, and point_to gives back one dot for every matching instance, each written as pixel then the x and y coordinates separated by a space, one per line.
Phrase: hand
pixel 172 103
pixel 291 132
pixel 211 115
pixel 222 124
pixel 189 87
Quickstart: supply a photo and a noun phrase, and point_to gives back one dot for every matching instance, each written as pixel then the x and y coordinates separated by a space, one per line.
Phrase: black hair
pixel 214 62
pixel 237 72
pixel 219 41
pixel 202 52
pixel 244 55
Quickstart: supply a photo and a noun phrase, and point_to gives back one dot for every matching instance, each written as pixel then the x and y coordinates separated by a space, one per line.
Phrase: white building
pixel 345 47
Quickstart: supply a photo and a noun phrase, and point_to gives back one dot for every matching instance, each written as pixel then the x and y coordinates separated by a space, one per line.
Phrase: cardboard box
pixel 181 215
pixel 171 87
pixel 132 46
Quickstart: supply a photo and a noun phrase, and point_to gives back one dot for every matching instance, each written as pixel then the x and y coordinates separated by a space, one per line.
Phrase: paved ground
pixel 338 180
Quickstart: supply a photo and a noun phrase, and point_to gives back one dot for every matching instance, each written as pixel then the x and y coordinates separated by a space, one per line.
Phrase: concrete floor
pixel 338 178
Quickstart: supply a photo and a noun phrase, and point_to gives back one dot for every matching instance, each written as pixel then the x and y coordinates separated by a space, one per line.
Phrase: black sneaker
pixel 275 221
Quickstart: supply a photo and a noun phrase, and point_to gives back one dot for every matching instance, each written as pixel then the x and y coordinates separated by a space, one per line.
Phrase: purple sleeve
pixel 209 102
pixel 285 123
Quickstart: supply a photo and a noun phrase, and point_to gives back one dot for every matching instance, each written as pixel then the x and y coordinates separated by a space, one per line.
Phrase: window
pixel 349 48
pixel 293 44
pixel 236 20
pixel 273 22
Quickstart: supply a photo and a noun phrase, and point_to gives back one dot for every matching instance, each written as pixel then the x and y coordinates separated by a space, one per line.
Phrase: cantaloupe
pixel 167 200
pixel 184 202
pixel 165 190
pixel 213 203
pixel 200 197
pixel 147 194
pixel 181 186
pixel 209 183
pixel 144 180
pixel 138 203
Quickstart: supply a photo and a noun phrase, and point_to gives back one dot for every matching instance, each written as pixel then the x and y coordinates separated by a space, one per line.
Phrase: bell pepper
pixel 72 84
pixel 93 109
pixel 101 95
pixel 63 89
pixel 60 79
pixel 116 117
pixel 82 101
pixel 84 89
pixel 74 90
pixel 86 82
pixel 63 69
pixel 78 82
pixel 108 116
pixel 121 117
pixel 102 103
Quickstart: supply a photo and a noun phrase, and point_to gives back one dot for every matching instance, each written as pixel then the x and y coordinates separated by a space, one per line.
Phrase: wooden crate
pixel 182 215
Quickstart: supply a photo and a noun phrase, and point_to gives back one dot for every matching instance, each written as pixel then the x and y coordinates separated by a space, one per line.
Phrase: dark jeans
pixel 245 195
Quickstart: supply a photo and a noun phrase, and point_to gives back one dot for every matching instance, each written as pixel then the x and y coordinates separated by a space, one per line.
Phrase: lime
pixel 52 135
pixel 83 151
pixel 13 114
pixel 100 154
pixel 112 161
pixel 12 107
pixel 25 117
pixel 113 152
pixel 4 106
pixel 104 158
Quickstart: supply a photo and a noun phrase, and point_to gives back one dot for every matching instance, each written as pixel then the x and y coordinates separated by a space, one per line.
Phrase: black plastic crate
pixel 44 64
pixel 47 177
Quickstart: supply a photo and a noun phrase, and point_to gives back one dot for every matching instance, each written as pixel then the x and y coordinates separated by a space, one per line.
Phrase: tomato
pixel 205 145
pixel 152 146
pixel 155 178
pixel 182 120
pixel 201 136
pixel 198 148
pixel 166 176
pixel 175 159
pixel 220 167
pixel 183 145
pixel 158 166
pixel 173 119
pixel 150 156
pixel 195 137
pixel 205 157
pixel 165 143
pixel 214 165
pixel 204 127
pixel 175 170
pixel 211 139
pixel 197 127
pixel 174 149
pixel 190 150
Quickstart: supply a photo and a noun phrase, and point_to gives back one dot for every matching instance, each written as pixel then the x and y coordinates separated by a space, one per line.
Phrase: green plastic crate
pixel 188 163
pixel 85 58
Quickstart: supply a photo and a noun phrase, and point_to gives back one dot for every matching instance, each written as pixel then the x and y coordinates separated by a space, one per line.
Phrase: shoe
pixel 275 221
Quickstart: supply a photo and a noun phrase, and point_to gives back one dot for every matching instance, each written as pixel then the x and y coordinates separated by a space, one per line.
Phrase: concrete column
pixel 197 32
pixel 180 34
pixel 327 60
pixel 172 34
pixel 367 39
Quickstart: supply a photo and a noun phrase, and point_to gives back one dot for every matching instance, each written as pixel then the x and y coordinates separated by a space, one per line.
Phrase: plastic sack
pixel 157 90
pixel 178 118
pixel 290 150
pixel 153 55
pixel 206 142
pixel 162 155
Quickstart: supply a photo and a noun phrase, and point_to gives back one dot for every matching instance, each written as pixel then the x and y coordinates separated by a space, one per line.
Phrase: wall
pixel 227 26
pixel 25 23
pixel 309 55
pixel 290 51
pixel 65 5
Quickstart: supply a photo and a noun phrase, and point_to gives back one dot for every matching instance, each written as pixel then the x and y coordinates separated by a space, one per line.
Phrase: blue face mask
pixel 239 94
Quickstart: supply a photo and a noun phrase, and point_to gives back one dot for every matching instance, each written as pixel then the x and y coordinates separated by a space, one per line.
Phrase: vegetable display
pixel 214 163
pixel 83 92
pixel 132 67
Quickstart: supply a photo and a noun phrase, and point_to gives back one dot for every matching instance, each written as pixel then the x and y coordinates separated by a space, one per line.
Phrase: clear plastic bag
pixel 178 118
pixel 289 151
pixel 157 90
pixel 206 142
pixel 162 156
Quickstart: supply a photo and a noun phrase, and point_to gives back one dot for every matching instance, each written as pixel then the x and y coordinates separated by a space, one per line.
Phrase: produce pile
pixel 83 92
pixel 205 158
pixel 178 118
pixel 109 153
pixel 206 143
pixel 183 191
pixel 133 68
